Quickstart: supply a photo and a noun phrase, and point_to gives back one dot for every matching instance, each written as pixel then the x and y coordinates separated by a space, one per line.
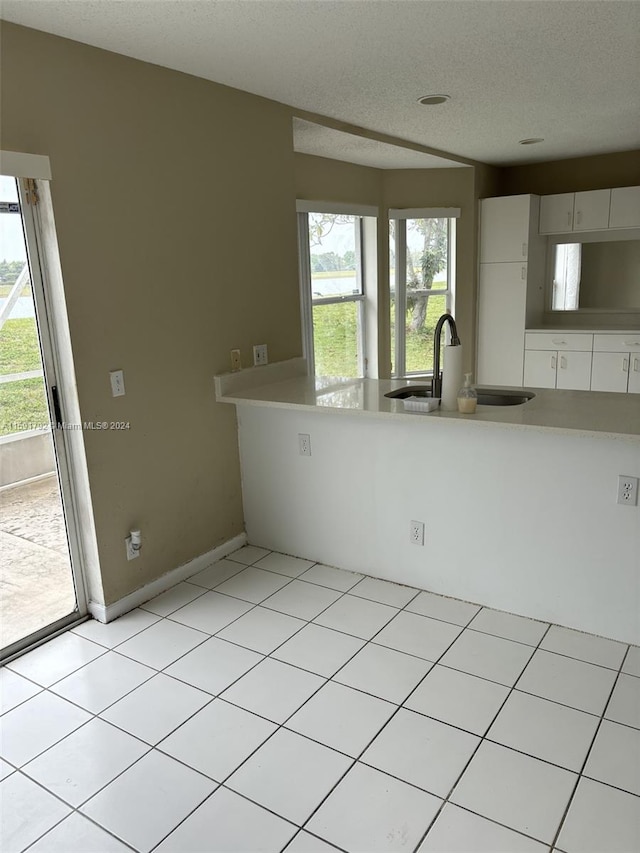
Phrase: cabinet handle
pixel 636 365
pixel 579 217
pixel 632 343
pixel 559 343
pixel 523 274
pixel 524 250
pixel 625 365
pixel 563 362
pixel 569 218
pixel 553 362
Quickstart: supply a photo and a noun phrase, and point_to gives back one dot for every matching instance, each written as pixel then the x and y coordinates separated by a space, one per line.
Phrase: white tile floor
pixel 271 704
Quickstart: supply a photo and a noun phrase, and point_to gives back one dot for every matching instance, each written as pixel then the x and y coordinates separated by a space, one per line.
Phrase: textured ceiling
pixel 312 138
pixel 565 70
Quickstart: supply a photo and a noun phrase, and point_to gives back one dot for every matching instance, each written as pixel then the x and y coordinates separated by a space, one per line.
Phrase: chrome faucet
pixel 436 382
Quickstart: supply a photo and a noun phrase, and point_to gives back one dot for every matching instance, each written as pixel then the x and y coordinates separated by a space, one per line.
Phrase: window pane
pixel 420 337
pixel 419 255
pixel 426 254
pixel 335 336
pixel 334 249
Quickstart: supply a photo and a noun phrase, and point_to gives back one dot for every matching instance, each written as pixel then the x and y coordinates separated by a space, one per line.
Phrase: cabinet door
pixel 574 371
pixel 540 368
pixel 610 371
pixel 625 208
pixel 501 315
pixel 591 210
pixel 634 375
pixel 556 213
pixel 504 229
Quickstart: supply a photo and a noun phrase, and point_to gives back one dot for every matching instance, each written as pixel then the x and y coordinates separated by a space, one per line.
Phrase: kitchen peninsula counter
pixel 287 386
pixel 519 503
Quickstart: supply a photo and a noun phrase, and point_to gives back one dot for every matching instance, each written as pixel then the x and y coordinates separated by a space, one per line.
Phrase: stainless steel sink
pixel 486 396
pixel 501 397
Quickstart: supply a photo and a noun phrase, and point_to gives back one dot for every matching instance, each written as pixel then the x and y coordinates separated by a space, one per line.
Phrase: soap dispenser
pixel 467 397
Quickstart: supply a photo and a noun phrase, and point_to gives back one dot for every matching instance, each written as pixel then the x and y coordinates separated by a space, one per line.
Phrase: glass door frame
pixel 51 367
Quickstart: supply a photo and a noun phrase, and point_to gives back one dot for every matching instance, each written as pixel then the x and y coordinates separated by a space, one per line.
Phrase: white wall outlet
pixel 117 383
pixel 133 544
pixel 416 532
pixel 304 444
pixel 260 355
pixel 236 361
pixel 627 490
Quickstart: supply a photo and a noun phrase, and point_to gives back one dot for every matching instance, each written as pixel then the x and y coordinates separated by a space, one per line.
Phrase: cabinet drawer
pixel 558 341
pixel 617 343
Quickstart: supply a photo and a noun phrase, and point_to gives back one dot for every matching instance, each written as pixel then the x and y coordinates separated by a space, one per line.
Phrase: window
pixel 338 284
pixel 422 282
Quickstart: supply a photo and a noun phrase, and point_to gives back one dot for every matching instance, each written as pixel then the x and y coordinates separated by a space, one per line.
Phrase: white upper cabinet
pixel 591 210
pixel 625 208
pixel 504 235
pixel 556 213
pixel 595 210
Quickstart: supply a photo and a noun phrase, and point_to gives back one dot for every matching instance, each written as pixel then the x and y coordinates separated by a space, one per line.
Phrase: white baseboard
pixel 107 613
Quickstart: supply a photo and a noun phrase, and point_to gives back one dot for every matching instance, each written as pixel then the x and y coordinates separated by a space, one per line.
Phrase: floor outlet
pixel 304 444
pixel 260 355
pixel 627 490
pixel 416 533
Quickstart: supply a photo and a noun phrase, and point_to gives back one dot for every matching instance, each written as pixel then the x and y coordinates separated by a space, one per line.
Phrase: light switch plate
pixel 117 383
pixel 260 354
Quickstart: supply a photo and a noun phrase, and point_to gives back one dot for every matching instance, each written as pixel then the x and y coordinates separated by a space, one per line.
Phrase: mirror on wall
pixel 603 275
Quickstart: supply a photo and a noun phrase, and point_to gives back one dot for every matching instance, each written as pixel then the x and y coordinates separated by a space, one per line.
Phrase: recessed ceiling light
pixel 431 100
pixel 533 141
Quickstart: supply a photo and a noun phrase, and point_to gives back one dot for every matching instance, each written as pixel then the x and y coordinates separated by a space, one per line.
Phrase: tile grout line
pixel 282 725
pixel 481 741
pixel 589 751
pixel 94 716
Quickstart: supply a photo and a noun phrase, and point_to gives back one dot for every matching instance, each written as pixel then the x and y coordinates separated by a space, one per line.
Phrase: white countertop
pixel 287 386
pixel 562 330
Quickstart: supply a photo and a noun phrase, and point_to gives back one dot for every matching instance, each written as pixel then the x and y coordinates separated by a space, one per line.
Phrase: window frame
pixel 398 285
pixel 366 299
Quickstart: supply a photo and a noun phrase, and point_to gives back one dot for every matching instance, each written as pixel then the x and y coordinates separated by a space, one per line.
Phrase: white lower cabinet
pixel 616 363
pixel 557 369
pixel 558 360
pixel 616 371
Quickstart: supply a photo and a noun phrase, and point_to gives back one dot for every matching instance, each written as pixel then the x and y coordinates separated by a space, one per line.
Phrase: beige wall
pixel 574 175
pixel 320 179
pixel 175 207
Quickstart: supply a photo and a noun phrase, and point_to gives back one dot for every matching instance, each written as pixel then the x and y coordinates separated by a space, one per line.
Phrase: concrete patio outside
pixel 36 586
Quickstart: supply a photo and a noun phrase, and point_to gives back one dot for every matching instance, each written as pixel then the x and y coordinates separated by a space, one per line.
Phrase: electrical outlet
pixel 627 490
pixel 416 532
pixel 236 362
pixel 260 355
pixel 132 552
pixel 117 383
pixel 304 444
